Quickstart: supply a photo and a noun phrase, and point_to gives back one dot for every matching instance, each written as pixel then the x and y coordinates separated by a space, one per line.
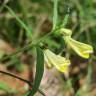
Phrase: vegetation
pixel 46 44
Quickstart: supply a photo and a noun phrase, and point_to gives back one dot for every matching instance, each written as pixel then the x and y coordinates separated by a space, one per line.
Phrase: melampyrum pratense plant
pixel 61 63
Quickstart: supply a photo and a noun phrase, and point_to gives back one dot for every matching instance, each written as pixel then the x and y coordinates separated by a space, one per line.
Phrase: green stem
pixel 28 46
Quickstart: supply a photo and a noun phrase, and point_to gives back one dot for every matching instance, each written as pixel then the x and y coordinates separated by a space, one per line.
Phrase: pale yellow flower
pixel 83 50
pixel 61 63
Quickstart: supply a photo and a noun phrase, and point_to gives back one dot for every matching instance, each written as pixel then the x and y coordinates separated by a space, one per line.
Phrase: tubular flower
pixel 61 63
pixel 83 50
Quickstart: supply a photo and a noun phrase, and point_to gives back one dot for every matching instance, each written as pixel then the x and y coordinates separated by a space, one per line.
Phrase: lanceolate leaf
pixel 55 15
pixel 39 71
pixel 23 25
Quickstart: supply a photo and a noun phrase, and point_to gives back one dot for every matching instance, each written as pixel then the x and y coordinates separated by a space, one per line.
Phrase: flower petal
pixel 81 49
pixel 49 65
pixel 59 62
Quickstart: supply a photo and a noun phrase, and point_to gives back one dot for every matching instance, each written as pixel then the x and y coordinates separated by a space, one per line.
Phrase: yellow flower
pixel 61 63
pixel 81 49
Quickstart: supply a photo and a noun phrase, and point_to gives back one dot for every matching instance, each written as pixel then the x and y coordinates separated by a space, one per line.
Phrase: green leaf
pixel 23 25
pixel 55 14
pixel 65 20
pixel 39 71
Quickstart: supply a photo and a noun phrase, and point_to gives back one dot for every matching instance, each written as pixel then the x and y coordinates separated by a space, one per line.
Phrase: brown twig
pixel 26 81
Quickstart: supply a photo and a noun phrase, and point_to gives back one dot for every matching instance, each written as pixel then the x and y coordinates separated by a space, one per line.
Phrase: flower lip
pixel 88 51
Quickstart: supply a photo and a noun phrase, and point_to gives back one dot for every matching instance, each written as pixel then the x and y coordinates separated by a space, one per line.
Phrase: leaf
pixel 39 71
pixel 65 20
pixel 29 32
pixel 55 15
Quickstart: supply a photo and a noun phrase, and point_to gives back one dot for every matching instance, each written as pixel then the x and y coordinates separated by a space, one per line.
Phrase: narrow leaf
pixel 39 71
pixel 55 13
pixel 65 20
pixel 23 25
